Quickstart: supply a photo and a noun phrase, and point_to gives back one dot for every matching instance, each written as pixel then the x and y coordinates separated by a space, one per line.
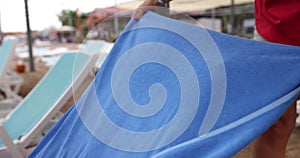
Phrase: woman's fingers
pixel 139 12
pixel 144 7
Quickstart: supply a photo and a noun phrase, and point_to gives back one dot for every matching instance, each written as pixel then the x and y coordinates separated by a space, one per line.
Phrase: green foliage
pixel 68 17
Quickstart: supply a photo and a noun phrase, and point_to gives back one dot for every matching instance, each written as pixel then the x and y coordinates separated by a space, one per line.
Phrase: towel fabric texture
pixel 172 89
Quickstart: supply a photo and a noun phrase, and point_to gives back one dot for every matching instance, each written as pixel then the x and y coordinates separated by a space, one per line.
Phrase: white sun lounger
pixel 9 78
pixel 101 47
pixel 33 113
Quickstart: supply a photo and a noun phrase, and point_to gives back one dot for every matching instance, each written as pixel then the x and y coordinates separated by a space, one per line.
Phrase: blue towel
pixel 171 89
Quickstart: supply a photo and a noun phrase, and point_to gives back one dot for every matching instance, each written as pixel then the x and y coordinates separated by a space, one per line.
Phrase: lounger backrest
pixel 93 46
pixel 6 53
pixel 45 94
pixel 100 47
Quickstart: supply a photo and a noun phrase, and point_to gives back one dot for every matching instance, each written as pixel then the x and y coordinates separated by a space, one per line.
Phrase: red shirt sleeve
pixel 278 20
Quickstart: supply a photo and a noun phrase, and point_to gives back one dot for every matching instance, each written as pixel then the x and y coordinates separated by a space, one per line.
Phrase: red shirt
pixel 278 20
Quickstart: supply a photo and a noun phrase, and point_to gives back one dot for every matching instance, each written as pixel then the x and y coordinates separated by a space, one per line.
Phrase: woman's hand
pixel 148 5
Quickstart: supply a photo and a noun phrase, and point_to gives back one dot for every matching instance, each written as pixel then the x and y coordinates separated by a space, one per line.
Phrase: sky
pixel 43 13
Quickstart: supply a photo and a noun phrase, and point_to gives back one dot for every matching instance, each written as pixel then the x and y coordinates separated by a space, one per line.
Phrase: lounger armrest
pixel 9 143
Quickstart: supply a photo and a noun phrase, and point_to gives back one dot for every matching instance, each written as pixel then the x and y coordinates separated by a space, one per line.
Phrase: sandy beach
pixel 32 78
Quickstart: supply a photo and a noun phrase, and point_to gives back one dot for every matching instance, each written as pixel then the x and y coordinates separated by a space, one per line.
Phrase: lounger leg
pixel 12 148
pixel 10 94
